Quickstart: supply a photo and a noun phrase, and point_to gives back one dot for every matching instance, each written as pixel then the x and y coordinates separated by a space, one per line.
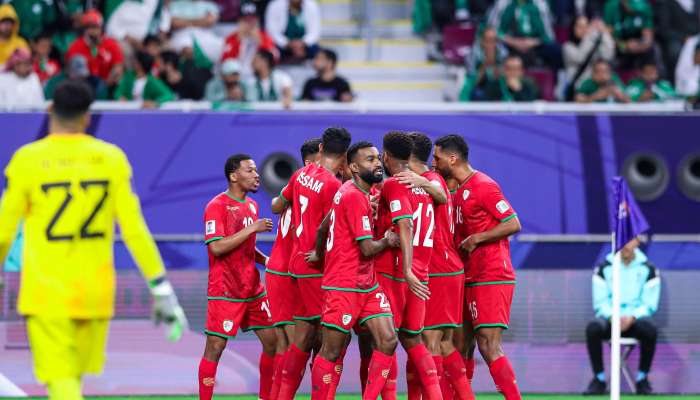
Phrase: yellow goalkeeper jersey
pixel 68 189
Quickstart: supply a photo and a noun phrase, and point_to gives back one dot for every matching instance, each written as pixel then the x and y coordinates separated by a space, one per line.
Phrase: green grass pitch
pixel 403 397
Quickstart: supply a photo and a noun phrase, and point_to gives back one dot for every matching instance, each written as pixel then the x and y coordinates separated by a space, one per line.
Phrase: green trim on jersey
pixel 257 327
pixel 263 294
pixel 365 319
pixel 504 326
pixel 509 218
pixel 411 332
pixel 363 237
pixel 305 276
pixel 234 198
pixel 221 335
pixel 214 239
pixel 460 272
pixel 273 272
pixel 490 283
pixel 306 318
pixel 283 323
pixel 440 326
pixel 358 186
pixel 281 196
pixel 373 288
pixel 401 217
pixel 393 278
pixel 336 327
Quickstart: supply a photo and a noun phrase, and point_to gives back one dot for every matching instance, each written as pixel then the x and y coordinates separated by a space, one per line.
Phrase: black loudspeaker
pixel 276 171
pixel 689 176
pixel 647 175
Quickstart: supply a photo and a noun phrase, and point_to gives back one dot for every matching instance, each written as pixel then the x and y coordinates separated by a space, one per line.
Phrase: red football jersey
pixel 396 202
pixel 282 248
pixel 445 259
pixel 350 222
pixel 232 276
pixel 310 192
pixel 479 207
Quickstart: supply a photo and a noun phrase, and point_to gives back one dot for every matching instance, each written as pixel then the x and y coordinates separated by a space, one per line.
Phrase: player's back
pixel 311 192
pixel 71 183
pixel 445 258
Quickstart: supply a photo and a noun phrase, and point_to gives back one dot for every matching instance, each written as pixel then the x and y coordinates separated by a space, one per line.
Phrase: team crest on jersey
pixel 365 223
pixel 346 319
pixel 502 206
pixel 336 198
pixel 228 325
pixel 465 194
pixel 252 208
pixel 395 206
pixel 210 227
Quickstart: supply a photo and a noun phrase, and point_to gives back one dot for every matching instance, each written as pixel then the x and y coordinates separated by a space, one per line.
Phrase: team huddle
pixel 420 258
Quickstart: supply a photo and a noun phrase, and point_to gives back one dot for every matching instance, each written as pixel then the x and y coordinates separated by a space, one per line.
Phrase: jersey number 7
pixel 66 188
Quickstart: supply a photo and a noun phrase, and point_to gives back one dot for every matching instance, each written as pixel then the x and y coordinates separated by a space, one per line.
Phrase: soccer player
pixel 404 275
pixel 483 221
pixel 353 295
pixel 69 188
pixel 310 194
pixel 235 296
pixel 442 314
pixel 277 277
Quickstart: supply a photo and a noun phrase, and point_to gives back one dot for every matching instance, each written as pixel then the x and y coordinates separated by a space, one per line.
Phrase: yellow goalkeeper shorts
pixel 66 348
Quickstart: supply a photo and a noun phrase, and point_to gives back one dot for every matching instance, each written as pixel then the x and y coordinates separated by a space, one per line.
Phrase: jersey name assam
pixel 397 202
pixel 445 259
pixel 310 192
pixel 350 223
pixel 232 276
pixel 282 248
pixel 479 207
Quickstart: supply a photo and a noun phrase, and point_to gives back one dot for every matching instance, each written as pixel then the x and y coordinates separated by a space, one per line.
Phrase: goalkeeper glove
pixel 166 309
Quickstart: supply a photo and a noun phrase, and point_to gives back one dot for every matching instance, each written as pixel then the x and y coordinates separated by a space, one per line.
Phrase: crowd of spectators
pixel 593 50
pixel 155 51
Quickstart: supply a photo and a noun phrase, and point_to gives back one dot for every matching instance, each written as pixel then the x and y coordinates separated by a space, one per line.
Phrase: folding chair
pixel 627 345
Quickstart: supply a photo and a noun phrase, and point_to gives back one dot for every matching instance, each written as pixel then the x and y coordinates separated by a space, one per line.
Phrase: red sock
pixel 292 372
pixel 445 388
pixel 267 369
pixel 379 369
pixel 277 376
pixel 207 377
pixel 427 372
pixel 364 371
pixel 456 375
pixel 336 376
pixel 412 381
pixel 389 391
pixel 470 365
pixel 504 378
pixel 321 378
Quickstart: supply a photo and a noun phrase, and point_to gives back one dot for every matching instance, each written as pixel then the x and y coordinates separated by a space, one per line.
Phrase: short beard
pixel 371 178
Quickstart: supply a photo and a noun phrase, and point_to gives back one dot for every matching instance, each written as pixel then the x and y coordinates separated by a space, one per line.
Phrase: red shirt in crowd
pixel 101 59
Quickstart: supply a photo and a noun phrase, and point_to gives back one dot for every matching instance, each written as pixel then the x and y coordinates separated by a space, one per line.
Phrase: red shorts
pixel 281 294
pixel 408 309
pixel 488 305
pixel 225 317
pixel 342 310
pixel 441 309
pixel 308 298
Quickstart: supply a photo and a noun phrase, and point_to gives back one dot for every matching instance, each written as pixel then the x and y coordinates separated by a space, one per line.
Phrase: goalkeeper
pixel 68 188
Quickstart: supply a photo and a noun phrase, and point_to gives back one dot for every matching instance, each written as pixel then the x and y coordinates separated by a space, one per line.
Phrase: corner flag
pixel 629 222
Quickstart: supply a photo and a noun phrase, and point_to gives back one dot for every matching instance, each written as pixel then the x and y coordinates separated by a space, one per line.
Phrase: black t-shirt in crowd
pixel 316 89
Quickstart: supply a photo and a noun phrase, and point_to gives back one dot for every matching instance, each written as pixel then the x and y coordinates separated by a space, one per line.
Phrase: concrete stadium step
pixel 383 28
pixel 399 91
pixel 357 70
pixel 383 49
pixel 380 9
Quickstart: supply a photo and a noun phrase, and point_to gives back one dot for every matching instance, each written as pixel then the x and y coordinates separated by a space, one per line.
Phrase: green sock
pixel 65 389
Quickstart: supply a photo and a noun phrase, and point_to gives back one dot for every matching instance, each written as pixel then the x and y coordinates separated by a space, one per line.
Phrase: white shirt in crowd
pixel 18 92
pixel 133 18
pixel 211 44
pixel 262 90
pixel 276 17
pixel 687 72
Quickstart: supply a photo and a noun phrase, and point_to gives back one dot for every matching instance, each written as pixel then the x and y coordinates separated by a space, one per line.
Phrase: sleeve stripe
pixel 363 237
pixel 401 217
pixel 214 239
pixel 282 196
pixel 509 217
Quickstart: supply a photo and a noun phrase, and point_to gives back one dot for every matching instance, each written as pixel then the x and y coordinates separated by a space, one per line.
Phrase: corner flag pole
pixel 615 320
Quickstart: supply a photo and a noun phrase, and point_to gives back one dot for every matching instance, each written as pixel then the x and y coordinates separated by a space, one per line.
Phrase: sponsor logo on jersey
pixel 309 182
pixel 227 325
pixel 346 319
pixel 210 227
pixel 502 206
pixel 395 206
pixel 465 194
pixel 365 223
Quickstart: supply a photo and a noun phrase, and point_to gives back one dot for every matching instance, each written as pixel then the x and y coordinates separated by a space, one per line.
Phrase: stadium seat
pixel 456 40
pixel 627 345
pixel 544 78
